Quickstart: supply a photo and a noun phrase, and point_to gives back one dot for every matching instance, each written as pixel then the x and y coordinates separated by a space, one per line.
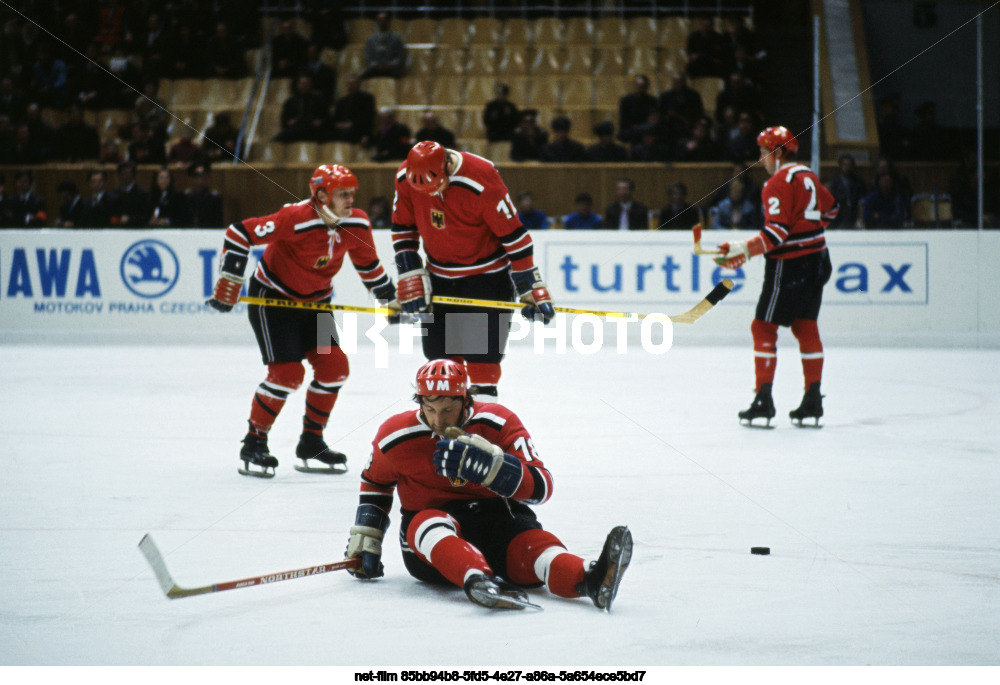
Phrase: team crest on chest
pixel 321 262
pixel 437 218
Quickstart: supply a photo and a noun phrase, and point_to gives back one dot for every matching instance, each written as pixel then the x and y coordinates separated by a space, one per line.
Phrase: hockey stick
pixel 690 316
pixel 174 591
pixel 319 306
pixel 698 249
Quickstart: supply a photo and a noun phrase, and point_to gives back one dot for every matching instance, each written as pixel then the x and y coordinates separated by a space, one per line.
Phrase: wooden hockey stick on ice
pixel 698 249
pixel 174 591
pixel 690 316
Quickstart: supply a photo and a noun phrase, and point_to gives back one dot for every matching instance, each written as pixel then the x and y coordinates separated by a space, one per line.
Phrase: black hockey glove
pixel 533 292
pixel 475 459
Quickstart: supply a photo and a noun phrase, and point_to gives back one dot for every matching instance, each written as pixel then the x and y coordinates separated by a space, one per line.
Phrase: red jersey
pixel 797 207
pixel 469 228
pixel 303 254
pixel 403 453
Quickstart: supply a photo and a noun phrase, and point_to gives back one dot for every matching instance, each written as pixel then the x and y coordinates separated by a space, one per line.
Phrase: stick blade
pixel 709 301
pixel 155 559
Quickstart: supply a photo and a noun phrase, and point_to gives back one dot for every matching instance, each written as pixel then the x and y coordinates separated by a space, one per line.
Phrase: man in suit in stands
pixel 625 214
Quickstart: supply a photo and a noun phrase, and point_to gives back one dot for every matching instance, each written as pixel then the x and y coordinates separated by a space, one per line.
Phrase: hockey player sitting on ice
pixel 797 207
pixel 465 472
pixel 457 204
pixel 306 245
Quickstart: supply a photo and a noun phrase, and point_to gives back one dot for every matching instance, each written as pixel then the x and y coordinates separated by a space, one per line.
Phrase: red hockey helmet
pixel 425 167
pixel 442 377
pixel 778 137
pixel 331 177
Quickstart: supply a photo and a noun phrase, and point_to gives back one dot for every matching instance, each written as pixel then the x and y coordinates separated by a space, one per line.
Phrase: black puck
pixel 760 550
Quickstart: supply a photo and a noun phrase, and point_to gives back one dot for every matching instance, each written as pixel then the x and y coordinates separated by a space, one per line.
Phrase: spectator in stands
pixel 169 205
pixel 133 199
pixel 749 67
pixel 224 54
pixel 101 209
pixel 848 189
pixel 154 47
pixel 885 165
pixel 49 79
pixel 184 152
pixel 380 212
pixel 635 108
pixel 328 26
pixel 584 216
pixel 964 189
pixel 739 94
pixel 385 54
pixel 13 101
pixel 743 148
pixel 220 139
pixel 149 110
pixel 884 207
pixel 606 149
pixel 24 150
pixel 648 146
pixel 741 172
pixel 126 78
pixel 736 211
pixel 90 79
pixel 562 148
pixel 500 116
pixel 432 129
pixel 110 153
pixel 184 57
pixel 528 139
pixel 203 203
pixel 738 35
pixel 678 213
pixel 144 148
pixel 24 207
pixel 289 51
pixel 353 115
pixel 530 216
pixel 324 77
pixel 893 137
pixel 76 140
pixel 727 126
pixel 625 213
pixel 699 146
pixel 708 53
pixel 303 114
pixel 682 99
pixel 929 141
pixel 42 133
pixel 392 139
pixel 69 205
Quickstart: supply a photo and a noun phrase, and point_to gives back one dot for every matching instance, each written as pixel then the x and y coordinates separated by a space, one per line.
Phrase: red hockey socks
pixel 433 535
pixel 283 378
pixel 765 351
pixel 486 376
pixel 330 370
pixel 538 555
pixel 811 348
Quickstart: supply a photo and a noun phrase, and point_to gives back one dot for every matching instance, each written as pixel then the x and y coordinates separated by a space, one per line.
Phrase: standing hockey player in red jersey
pixel 306 245
pixel 465 472
pixel 797 265
pixel 458 205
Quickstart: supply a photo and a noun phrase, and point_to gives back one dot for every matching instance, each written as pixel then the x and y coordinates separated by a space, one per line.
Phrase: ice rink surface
pixel 883 524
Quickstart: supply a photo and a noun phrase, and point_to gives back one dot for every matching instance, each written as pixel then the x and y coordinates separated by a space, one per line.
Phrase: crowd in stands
pixel 112 54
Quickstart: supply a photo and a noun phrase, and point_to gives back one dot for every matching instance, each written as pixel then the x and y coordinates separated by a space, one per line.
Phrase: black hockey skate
pixel 601 581
pixel 811 408
pixel 312 446
pixel 762 408
pixel 255 453
pixel 493 592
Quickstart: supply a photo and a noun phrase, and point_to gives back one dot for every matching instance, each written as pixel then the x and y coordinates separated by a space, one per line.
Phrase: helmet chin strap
pixel 328 215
